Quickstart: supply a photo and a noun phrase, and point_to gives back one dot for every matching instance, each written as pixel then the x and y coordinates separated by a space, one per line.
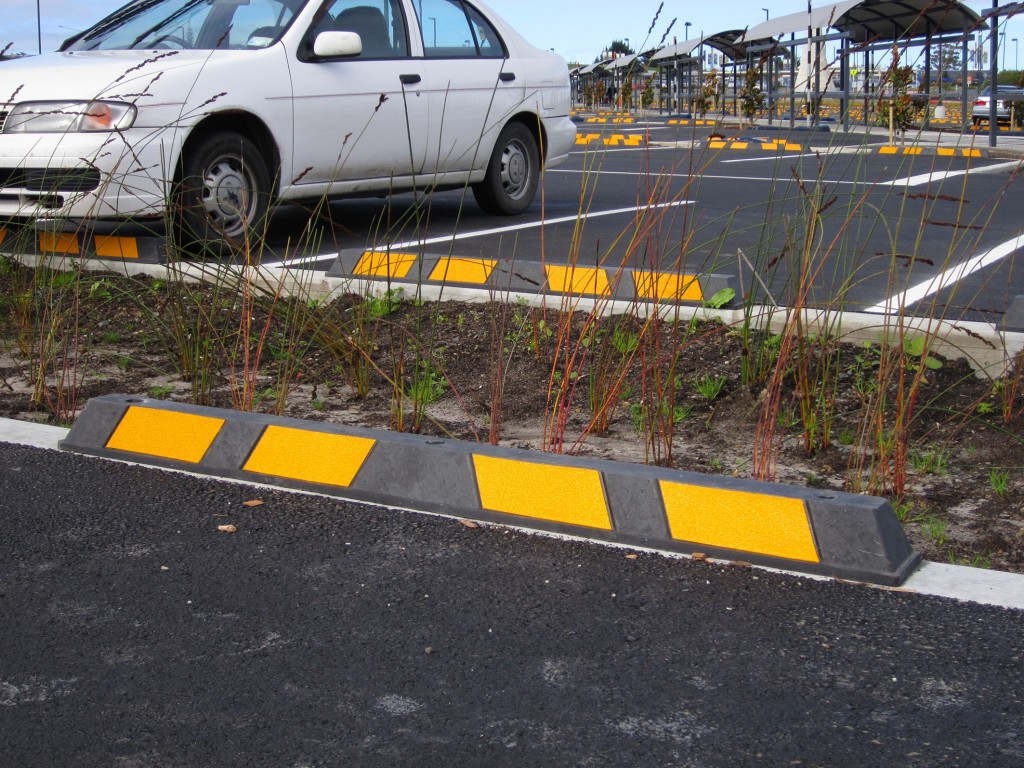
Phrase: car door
pixel 361 120
pixel 472 86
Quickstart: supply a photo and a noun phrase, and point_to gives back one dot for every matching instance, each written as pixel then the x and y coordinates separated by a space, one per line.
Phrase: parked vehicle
pixel 981 109
pixel 216 109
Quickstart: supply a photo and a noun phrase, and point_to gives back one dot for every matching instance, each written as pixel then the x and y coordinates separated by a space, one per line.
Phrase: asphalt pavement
pixel 158 619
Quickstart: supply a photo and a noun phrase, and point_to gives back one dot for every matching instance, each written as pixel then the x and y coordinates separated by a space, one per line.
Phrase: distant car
pixel 215 109
pixel 980 110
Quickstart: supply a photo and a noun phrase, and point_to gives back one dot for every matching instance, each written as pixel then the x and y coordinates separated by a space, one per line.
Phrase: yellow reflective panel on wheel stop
pixel 384 264
pixel 165 434
pixel 569 495
pixel 749 522
pixel 666 286
pixel 313 457
pixel 59 243
pixel 117 247
pixel 578 280
pixel 455 270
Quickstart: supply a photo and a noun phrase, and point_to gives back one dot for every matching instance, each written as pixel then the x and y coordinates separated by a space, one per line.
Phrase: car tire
pixel 223 196
pixel 513 173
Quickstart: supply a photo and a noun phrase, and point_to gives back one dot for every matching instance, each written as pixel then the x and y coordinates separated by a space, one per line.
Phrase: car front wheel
pixel 513 173
pixel 224 194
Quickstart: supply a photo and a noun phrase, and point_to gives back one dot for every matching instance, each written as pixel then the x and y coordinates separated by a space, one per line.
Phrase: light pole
pixel 766 16
pixel 686 26
pixel 39 27
pixel 1016 65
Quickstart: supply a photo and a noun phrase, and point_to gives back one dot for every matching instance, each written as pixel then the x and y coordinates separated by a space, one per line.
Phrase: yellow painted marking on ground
pixel 474 271
pixel 587 138
pixel 781 144
pixel 62 243
pixel 568 495
pixel 912 150
pixel 578 280
pixel 972 152
pixel 312 457
pixel 667 286
pixel 740 145
pixel 383 264
pixel 165 434
pixel 888 150
pixel 617 139
pixel 117 247
pixel 717 144
pixel 749 522
pixel 945 152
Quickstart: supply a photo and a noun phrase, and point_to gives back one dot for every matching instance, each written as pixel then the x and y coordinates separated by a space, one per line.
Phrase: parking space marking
pixel 445 239
pixel 712 176
pixel 948 278
pixel 928 178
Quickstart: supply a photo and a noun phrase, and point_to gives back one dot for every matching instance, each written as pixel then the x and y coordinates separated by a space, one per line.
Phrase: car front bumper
pixel 83 175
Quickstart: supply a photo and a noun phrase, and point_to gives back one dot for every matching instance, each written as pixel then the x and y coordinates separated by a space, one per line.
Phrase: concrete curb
pixel 803 530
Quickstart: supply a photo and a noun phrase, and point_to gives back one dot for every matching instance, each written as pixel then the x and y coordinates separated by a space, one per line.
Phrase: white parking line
pixel 418 244
pixel 928 178
pixel 762 158
pixel 707 176
pixel 947 278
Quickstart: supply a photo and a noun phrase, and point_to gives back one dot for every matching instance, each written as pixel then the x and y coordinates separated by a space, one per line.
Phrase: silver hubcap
pixel 229 195
pixel 515 170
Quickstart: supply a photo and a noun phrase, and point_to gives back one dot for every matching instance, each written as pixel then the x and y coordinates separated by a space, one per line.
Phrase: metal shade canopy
pixel 733 43
pixel 877 20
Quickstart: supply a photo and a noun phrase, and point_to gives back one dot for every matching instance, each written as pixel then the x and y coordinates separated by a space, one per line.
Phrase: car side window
pixel 379 24
pixel 452 29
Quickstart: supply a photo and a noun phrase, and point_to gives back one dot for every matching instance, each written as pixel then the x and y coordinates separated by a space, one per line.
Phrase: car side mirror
pixel 333 45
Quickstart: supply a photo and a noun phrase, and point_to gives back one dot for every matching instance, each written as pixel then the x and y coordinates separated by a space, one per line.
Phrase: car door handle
pixel 409 79
pixel 507 77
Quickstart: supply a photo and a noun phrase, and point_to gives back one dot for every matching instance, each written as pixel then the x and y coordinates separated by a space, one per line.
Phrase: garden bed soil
pixel 955 506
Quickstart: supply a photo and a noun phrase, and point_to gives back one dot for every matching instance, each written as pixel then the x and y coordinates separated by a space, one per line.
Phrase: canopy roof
pixel 877 20
pixel 733 43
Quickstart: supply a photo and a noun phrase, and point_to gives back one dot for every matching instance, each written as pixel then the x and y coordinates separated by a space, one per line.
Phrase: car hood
pixel 122 75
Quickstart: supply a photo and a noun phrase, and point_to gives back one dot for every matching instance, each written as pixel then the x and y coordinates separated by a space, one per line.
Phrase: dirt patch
pixel 693 396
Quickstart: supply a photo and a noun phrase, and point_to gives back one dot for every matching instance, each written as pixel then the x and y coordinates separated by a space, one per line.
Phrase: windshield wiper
pixel 187 7
pixel 110 22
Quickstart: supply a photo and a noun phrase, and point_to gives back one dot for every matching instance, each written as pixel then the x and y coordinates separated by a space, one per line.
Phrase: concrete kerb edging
pixel 989 350
pixel 822 533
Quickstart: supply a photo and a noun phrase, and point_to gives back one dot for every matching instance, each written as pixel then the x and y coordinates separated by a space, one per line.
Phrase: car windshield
pixel 189 25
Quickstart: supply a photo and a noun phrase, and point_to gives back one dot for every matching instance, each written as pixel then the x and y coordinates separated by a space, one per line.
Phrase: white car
pixel 215 109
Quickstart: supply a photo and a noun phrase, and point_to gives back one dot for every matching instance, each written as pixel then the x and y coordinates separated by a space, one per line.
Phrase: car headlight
pixel 69 117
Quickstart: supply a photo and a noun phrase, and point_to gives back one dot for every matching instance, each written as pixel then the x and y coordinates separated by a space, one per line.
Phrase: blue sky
pixel 576 30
